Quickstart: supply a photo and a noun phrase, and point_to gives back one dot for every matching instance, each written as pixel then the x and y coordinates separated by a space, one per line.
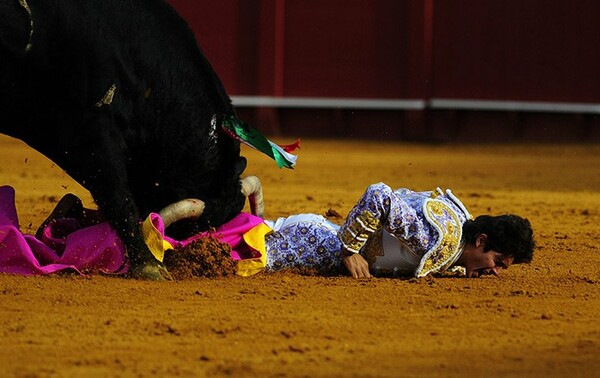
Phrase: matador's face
pixel 479 262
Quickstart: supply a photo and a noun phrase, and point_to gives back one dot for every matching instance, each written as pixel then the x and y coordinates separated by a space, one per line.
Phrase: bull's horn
pixel 252 189
pixel 184 209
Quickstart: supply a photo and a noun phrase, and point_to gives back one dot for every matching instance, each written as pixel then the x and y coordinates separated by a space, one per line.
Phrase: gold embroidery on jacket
pixel 450 230
pixel 357 233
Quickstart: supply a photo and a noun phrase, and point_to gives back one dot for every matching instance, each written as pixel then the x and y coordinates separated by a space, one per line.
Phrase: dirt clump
pixel 333 214
pixel 205 257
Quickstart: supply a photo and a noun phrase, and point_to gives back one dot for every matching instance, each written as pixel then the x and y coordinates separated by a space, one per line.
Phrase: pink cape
pixel 90 250
pixel 231 233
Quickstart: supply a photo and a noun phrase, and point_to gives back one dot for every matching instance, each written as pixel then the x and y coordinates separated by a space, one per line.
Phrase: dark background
pixel 520 70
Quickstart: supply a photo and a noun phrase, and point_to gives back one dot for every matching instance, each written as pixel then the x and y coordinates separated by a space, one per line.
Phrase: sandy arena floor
pixel 535 320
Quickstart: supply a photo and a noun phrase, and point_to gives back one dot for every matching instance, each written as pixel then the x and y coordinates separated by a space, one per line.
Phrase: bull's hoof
pixel 69 206
pixel 151 271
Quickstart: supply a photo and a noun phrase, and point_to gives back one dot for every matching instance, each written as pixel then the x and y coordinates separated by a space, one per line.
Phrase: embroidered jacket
pixel 405 232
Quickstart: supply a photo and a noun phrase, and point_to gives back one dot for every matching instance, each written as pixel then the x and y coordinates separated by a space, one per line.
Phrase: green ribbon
pixel 243 132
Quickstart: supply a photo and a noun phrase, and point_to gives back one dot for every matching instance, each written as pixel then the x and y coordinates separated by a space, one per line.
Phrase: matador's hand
pixel 356 265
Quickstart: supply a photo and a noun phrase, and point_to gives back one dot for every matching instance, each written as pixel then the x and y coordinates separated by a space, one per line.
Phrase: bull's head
pixel 192 208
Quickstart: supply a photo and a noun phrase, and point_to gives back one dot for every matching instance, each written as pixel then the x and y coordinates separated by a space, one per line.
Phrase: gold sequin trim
pixel 357 233
pixel 444 252
pixel 25 6
pixel 107 99
pixel 368 221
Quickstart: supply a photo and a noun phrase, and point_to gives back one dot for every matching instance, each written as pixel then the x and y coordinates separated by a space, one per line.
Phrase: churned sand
pixel 534 320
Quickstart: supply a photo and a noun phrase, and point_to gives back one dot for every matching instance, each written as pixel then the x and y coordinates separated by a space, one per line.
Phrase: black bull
pixel 119 95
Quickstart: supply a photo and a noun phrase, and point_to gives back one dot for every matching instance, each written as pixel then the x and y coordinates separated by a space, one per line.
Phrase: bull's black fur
pixel 152 143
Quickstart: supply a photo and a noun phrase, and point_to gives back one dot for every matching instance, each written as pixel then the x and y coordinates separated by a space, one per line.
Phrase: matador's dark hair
pixel 510 235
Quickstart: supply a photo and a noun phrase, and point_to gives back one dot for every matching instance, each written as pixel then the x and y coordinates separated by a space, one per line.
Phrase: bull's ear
pixel 240 165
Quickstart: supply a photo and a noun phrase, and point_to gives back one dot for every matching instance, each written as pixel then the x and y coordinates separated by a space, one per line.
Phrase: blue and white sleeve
pixel 378 207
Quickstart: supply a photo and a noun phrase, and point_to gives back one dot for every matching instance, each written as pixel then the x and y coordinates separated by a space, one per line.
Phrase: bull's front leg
pixel 117 205
pixel 98 160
